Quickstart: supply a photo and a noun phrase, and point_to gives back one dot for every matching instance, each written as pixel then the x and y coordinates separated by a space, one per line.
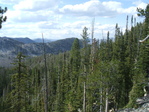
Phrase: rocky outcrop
pixel 142 108
pixel 143 102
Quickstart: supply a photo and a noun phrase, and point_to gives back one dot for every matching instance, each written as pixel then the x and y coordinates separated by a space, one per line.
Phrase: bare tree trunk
pixel 93 46
pixel 107 100
pixel 46 80
pixel 84 98
pixel 101 95
pixel 19 77
pixel 101 99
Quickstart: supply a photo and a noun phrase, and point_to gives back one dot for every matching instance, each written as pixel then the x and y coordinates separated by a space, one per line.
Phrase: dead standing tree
pixel 45 77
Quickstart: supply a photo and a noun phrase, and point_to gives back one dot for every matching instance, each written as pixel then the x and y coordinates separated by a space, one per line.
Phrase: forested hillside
pixel 10 47
pixel 100 76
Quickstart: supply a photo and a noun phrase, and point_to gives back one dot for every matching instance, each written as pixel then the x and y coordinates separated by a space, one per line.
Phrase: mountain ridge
pixel 27 40
pixel 9 48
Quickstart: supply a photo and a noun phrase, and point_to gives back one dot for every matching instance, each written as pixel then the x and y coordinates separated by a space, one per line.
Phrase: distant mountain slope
pixel 61 45
pixel 39 40
pixel 24 40
pixel 21 39
pixel 9 48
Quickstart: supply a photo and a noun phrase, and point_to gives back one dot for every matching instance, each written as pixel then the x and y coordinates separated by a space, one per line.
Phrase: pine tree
pixel 142 61
pixel 119 54
pixel 20 84
pixel 38 96
pixel 63 84
pixel 144 49
pixel 74 75
pixel 75 56
pixel 85 62
pixel 4 88
pixel 2 18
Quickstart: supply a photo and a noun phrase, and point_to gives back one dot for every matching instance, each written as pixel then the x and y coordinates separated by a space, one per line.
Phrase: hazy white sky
pixel 58 19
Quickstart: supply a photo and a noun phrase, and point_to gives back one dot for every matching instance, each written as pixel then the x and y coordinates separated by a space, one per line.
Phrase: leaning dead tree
pixel 144 39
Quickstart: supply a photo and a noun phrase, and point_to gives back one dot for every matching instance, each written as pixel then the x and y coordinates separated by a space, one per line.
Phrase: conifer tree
pixel 75 60
pixel 63 84
pixel 2 18
pixel 20 85
pixel 4 88
pixel 119 54
pixel 142 63
pixel 85 62
pixel 144 49
pixel 75 56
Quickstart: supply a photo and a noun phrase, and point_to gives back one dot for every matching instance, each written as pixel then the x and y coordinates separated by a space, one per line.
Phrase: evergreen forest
pixel 102 75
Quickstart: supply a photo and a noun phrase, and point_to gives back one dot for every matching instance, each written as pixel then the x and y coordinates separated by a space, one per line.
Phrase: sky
pixel 59 19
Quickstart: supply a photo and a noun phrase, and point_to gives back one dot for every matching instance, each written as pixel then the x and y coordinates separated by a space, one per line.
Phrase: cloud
pixel 8 2
pixel 35 5
pixel 54 30
pixel 32 11
pixel 92 8
pixel 95 8
pixel 68 29
pixel 140 4
pixel 30 18
pixel 48 25
pixel 19 30
pixel 76 25
pixel 25 16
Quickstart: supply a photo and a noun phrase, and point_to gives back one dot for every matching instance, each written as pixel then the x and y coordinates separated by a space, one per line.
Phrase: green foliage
pixel 145 13
pixel 141 64
pixel 101 74
pixel 136 92
pixel 4 87
pixel 75 56
pixel 85 37
pixel 20 92
pixel 138 85
pixel 2 18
